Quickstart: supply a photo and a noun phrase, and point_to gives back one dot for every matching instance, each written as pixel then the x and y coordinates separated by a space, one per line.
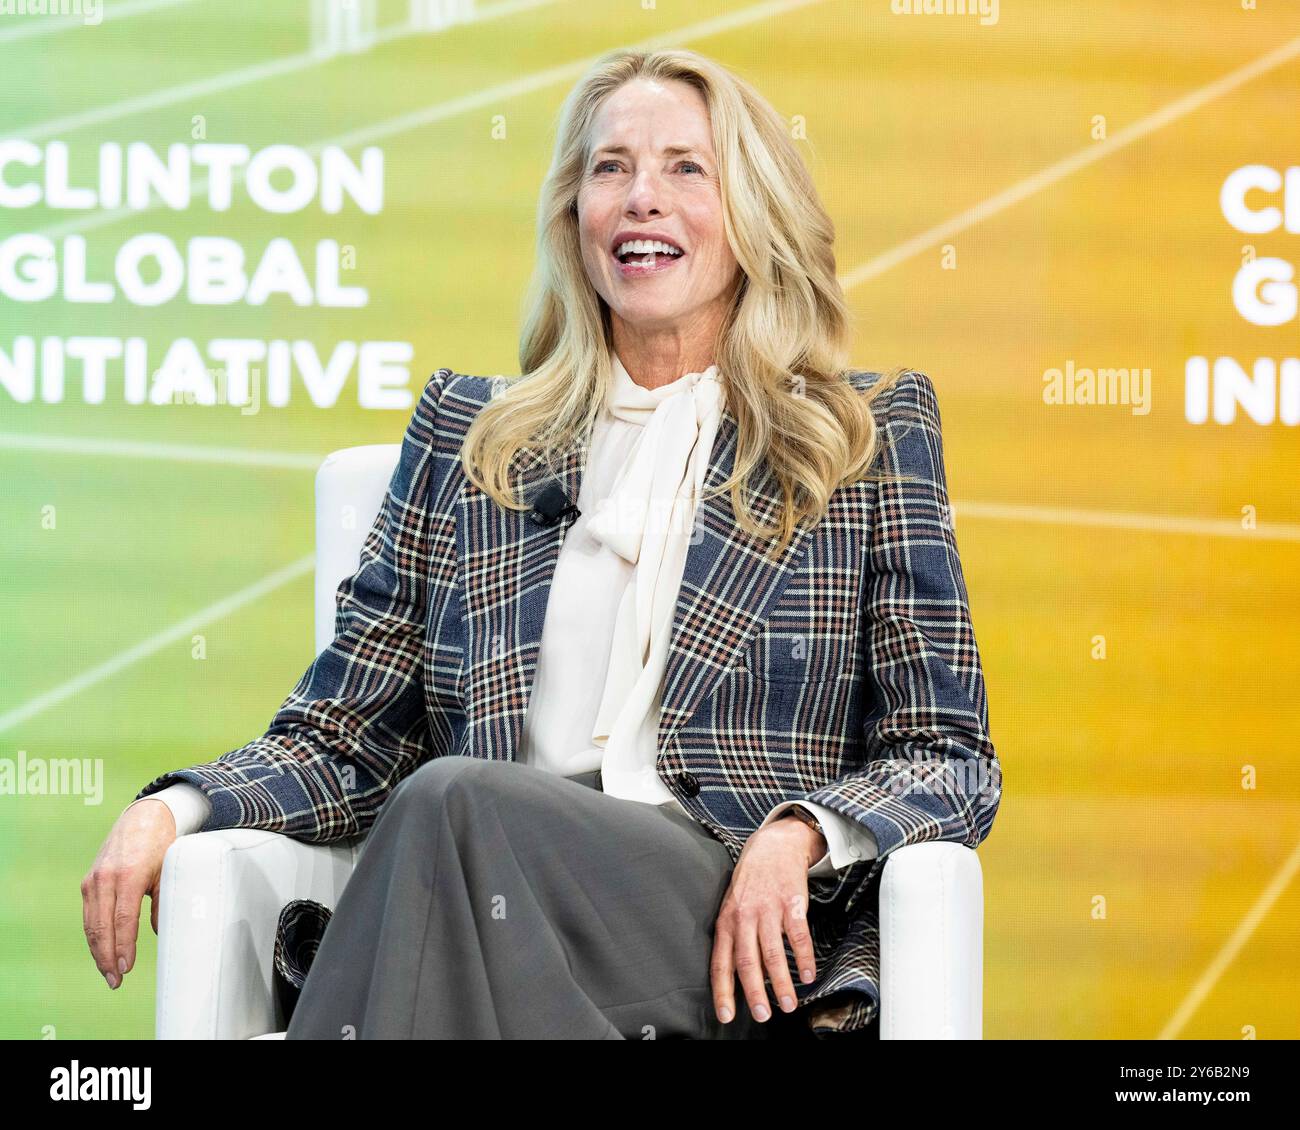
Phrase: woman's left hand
pixel 766 902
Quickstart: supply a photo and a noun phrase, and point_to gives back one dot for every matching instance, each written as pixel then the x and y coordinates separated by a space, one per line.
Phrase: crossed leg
pixel 494 900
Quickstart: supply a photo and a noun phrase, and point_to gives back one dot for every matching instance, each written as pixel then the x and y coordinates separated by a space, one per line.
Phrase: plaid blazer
pixel 845 673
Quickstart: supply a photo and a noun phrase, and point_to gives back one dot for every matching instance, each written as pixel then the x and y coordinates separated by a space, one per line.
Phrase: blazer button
pixel 690 786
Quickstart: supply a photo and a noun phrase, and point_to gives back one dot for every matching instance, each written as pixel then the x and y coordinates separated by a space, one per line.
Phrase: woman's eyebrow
pixel 668 150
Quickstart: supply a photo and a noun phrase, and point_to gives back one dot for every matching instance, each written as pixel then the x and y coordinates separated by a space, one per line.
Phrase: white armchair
pixel 222 892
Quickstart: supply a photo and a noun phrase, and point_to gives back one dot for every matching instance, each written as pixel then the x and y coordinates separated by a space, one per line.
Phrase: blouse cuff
pixel 189 807
pixel 847 841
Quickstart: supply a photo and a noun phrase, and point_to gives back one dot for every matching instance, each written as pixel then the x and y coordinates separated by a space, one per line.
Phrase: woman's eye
pixel 603 165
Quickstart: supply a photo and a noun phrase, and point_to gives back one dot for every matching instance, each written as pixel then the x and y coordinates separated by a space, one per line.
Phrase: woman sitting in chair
pixel 646 667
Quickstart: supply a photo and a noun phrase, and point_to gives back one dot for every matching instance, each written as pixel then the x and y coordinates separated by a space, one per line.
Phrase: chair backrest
pixel 350 486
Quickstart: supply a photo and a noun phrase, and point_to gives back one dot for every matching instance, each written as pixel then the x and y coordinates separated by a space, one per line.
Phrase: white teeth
pixel 645 247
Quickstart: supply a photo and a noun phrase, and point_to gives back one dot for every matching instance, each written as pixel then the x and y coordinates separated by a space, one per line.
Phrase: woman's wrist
pixel 813 837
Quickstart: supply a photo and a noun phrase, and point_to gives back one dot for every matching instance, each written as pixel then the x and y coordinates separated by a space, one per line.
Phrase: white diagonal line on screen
pixel 155 643
pixel 233 80
pixel 1058 171
pixel 1232 947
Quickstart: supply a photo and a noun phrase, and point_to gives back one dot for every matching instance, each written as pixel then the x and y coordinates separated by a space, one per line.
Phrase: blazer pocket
pixel 790 657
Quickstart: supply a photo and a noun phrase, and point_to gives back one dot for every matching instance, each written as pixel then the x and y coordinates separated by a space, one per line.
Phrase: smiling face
pixel 652 175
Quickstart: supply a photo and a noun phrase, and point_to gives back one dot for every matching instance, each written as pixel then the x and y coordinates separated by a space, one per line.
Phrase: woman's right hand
pixel 128 866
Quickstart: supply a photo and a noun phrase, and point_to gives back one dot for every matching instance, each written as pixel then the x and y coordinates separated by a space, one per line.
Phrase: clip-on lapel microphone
pixel 552 504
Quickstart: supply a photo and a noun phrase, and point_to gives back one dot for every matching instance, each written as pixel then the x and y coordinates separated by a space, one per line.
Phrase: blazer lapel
pixel 729 584
pixel 508 561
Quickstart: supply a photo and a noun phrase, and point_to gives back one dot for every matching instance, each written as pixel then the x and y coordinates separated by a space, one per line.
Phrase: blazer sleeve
pixel 930 770
pixel 356 723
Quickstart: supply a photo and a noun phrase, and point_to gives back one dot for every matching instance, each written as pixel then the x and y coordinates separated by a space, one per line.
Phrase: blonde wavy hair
pixel 783 346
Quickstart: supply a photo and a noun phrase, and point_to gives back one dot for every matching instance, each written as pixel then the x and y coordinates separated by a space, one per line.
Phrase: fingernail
pixel 121 966
pixel 787 1003
pixel 807 976
pixel 109 978
pixel 725 1015
pixel 761 1013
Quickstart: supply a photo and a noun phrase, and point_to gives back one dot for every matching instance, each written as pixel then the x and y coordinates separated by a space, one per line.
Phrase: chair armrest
pixel 220 900
pixel 932 943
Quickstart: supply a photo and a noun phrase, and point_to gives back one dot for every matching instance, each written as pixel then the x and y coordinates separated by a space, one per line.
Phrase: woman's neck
pixel 654 360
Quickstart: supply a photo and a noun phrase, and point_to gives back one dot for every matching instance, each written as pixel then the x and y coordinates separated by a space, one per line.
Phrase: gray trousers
pixel 494 900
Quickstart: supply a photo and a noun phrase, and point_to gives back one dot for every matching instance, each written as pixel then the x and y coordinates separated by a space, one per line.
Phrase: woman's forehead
pixel 674 106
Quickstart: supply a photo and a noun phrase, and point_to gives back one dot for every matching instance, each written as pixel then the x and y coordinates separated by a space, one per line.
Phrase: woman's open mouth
pixel 646 257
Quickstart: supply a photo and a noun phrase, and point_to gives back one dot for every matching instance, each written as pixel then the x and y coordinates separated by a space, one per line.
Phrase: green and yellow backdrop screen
pixel 1082 220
